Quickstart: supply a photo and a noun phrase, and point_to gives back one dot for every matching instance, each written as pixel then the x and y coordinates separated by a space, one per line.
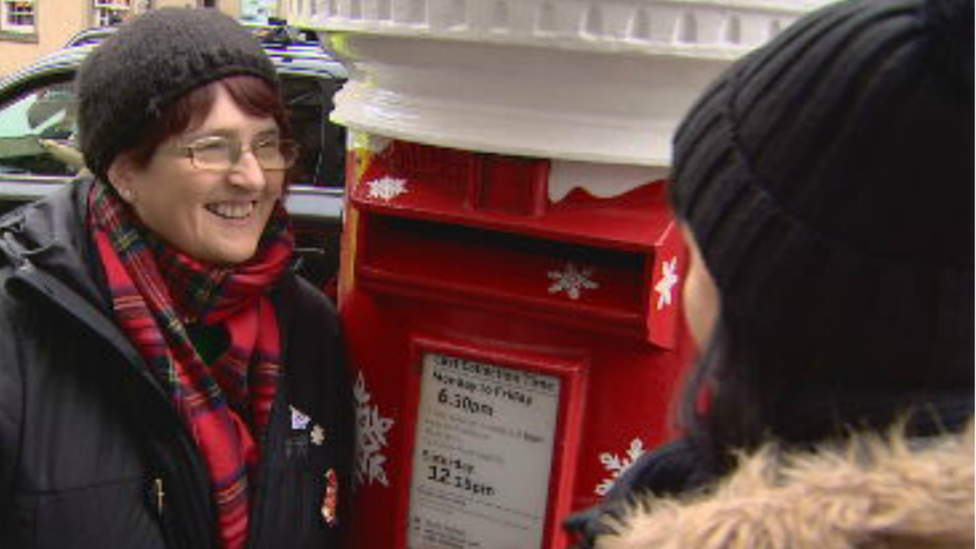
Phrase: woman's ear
pixel 700 295
pixel 121 175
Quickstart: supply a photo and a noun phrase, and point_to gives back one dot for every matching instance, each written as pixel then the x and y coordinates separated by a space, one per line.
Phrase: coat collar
pixel 875 492
pixel 50 235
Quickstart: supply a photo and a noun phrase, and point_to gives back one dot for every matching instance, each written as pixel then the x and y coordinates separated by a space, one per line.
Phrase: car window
pixel 37 133
pixel 322 143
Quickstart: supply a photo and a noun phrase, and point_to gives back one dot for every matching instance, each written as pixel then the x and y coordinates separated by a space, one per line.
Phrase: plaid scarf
pixel 155 292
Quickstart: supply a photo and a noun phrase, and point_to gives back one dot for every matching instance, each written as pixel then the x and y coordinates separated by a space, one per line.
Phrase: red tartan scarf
pixel 225 405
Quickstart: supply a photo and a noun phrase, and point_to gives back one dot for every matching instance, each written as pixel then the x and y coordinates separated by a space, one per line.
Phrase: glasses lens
pixel 276 154
pixel 211 154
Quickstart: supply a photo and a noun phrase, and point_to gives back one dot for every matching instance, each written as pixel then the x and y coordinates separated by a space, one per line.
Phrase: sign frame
pixel 570 369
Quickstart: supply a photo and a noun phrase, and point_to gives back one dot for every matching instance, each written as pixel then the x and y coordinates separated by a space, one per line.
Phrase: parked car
pixel 38 152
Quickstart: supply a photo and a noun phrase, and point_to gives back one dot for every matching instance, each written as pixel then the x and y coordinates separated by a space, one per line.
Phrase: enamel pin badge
pixel 331 498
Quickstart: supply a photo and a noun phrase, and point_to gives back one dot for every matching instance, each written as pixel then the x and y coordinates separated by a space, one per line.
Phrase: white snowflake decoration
pixel 665 286
pixel 387 188
pixel 372 437
pixel 616 465
pixel 572 280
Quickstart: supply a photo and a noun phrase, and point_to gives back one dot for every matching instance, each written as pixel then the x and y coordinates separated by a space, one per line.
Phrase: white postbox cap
pixel 595 81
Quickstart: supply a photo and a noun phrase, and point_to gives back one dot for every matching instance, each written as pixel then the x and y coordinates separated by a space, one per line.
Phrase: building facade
pixel 32 28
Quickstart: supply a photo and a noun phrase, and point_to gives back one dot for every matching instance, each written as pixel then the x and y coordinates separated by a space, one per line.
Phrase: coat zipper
pixel 269 445
pixel 269 455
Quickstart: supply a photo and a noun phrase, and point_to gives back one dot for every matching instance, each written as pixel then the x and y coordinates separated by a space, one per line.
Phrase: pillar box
pixel 510 275
pixel 512 353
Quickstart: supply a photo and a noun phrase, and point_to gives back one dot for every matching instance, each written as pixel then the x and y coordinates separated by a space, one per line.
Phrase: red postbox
pixel 510 273
pixel 512 354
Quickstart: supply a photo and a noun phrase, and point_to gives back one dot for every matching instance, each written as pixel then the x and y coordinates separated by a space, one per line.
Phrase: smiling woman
pixel 197 189
pixel 170 263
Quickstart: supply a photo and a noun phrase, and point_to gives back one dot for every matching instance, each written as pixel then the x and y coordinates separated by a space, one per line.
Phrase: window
pixel 688 29
pixel 323 144
pixel 18 16
pixel 111 12
pixel 733 30
pixel 37 133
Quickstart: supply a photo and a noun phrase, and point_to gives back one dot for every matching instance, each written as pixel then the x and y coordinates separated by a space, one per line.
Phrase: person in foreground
pixel 166 380
pixel 824 184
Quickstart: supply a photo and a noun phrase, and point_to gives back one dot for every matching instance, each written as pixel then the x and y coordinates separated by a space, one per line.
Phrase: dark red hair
pixel 252 95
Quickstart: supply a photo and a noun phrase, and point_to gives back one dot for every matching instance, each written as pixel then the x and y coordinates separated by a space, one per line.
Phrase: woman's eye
pixel 211 146
pixel 267 145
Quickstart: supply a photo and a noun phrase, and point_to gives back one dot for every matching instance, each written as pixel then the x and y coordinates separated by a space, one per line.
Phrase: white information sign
pixel 482 456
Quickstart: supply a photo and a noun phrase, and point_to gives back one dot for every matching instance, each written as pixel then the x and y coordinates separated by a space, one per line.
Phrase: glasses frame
pixel 237 149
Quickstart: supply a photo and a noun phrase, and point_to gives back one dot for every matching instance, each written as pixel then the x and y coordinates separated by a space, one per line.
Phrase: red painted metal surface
pixel 463 254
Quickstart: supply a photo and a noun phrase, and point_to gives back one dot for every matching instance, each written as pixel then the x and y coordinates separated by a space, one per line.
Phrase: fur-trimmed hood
pixel 875 493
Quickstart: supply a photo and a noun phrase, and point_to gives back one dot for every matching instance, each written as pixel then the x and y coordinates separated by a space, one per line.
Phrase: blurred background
pixel 32 28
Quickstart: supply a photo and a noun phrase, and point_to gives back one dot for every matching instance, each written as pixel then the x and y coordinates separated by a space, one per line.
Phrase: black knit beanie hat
pixel 128 80
pixel 828 181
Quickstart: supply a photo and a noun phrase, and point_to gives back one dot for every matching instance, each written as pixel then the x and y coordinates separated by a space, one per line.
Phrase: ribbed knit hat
pixel 829 175
pixel 130 78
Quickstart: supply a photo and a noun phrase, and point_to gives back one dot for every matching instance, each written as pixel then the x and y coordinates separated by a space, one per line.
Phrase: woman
pixel 825 185
pixel 165 379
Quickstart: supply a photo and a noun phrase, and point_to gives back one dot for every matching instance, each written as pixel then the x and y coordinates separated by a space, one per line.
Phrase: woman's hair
pixel 253 95
pixel 126 82
pixel 827 179
pixel 819 368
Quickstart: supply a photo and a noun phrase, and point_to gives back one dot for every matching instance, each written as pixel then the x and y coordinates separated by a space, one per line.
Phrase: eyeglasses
pixel 219 154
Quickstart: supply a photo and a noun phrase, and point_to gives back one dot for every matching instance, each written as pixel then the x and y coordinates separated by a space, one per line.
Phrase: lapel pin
pixel 299 421
pixel 317 435
pixel 331 498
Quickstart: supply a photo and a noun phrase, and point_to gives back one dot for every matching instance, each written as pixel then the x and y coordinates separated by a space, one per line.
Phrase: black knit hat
pixel 829 175
pixel 128 80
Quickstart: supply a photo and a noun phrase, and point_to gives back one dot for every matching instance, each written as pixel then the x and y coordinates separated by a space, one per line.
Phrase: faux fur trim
pixel 876 493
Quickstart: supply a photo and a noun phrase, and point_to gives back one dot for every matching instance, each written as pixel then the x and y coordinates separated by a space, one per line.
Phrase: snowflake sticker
pixel 571 280
pixel 665 286
pixel 616 465
pixel 372 437
pixel 387 188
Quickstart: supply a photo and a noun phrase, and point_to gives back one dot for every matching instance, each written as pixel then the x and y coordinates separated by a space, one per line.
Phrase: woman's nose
pixel 247 172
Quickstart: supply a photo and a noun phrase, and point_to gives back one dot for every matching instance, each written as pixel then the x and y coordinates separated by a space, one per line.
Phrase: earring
pixel 126 194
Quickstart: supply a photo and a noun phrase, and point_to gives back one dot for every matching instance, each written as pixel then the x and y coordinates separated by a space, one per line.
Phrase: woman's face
pixel 699 295
pixel 213 216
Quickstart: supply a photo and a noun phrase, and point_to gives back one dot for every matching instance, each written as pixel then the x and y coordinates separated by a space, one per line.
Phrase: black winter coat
pixel 92 453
